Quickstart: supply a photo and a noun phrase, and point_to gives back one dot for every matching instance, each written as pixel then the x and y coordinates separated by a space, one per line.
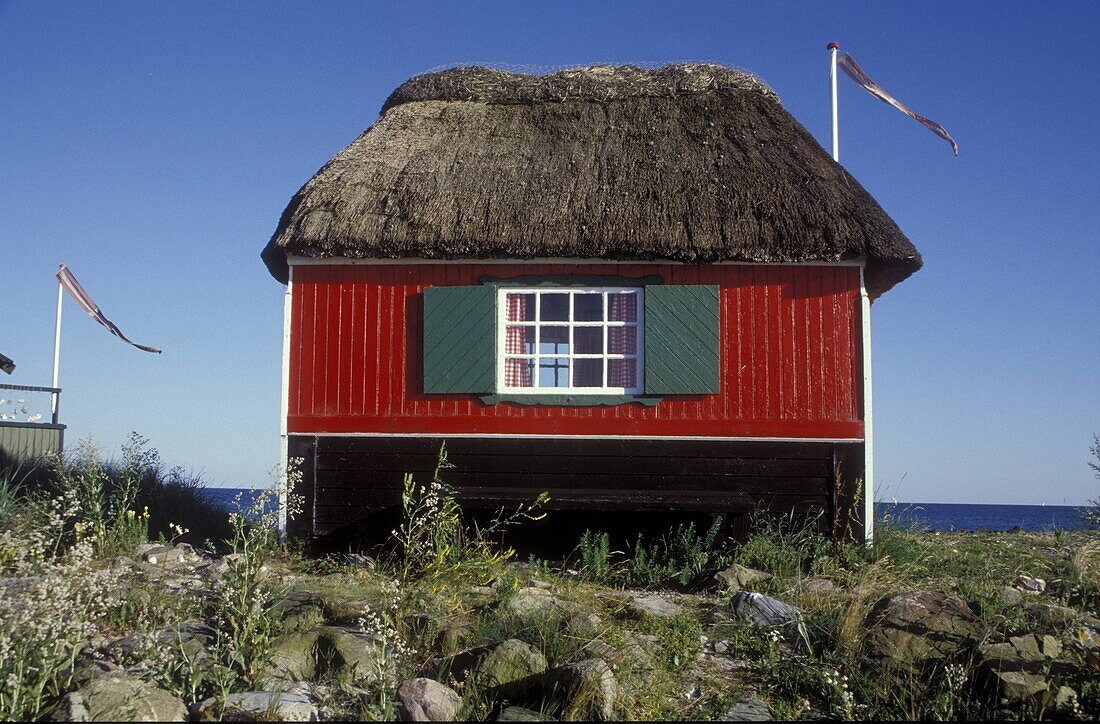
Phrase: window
pixel 585 340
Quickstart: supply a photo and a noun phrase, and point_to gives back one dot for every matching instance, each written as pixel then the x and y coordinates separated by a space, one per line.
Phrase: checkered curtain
pixel 622 340
pixel 517 372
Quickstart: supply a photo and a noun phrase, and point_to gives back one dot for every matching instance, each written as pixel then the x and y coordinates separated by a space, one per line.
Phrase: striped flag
pixel 72 286
pixel 849 65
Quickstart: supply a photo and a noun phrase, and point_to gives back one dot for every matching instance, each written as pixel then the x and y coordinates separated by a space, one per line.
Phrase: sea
pixel 918 516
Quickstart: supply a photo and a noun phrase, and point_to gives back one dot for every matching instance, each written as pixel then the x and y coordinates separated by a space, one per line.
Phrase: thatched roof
pixel 688 163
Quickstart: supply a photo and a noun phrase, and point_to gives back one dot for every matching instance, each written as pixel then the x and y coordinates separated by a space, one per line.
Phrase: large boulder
pixel 1024 669
pixel 121 698
pixel 299 611
pixel 427 700
pixel 343 650
pixel 651 605
pixel 258 706
pixel 533 603
pixel 913 629
pixel 511 661
pixel 763 611
pixel 738 577
pixel 584 691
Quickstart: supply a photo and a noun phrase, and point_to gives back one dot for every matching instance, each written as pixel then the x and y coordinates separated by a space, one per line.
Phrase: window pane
pixel 519 372
pixel 519 340
pixel 622 373
pixel 588 340
pixel 588 307
pixel 554 373
pixel 554 340
pixel 622 307
pixel 588 373
pixel 555 307
pixel 521 308
pixel 622 340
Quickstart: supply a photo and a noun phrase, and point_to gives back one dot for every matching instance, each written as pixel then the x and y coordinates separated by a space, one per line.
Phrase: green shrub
pixel 595 555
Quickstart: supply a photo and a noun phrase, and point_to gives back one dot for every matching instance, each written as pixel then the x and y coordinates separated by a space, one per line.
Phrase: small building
pixel 633 289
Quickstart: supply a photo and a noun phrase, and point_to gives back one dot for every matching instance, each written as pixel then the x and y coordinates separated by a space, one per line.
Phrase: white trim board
pixel 868 418
pixel 284 397
pixel 342 261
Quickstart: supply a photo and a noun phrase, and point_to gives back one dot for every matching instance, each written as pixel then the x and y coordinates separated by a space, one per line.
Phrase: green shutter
pixel 681 340
pixel 460 339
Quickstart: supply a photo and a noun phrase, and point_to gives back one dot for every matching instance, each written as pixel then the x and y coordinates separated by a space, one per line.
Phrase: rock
pixel 721 647
pixel 584 625
pixel 1010 596
pixel 649 604
pixel 916 628
pixel 1018 668
pixel 529 603
pixel 1027 584
pixel 536 583
pixel 586 690
pixel 750 708
pixel 1062 616
pixel 763 611
pixel 1065 699
pixel 121 698
pixel 632 657
pixel 513 660
pixel 259 706
pixel 427 700
pixel 518 713
pixel 739 578
pixel 816 587
pixel 299 611
pixel 309 655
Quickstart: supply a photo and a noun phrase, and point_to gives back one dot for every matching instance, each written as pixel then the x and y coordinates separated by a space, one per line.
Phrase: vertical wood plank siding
pixel 790 356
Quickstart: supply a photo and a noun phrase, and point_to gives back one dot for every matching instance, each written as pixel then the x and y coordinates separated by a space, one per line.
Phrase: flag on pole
pixel 72 286
pixel 849 65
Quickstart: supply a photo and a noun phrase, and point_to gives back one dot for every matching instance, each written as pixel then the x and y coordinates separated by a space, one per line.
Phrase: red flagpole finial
pixel 833 46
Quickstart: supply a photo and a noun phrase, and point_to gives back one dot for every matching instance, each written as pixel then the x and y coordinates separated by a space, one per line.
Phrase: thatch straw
pixel 686 163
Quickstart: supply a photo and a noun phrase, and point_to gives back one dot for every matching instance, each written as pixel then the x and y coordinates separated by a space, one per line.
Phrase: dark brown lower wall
pixel 345 479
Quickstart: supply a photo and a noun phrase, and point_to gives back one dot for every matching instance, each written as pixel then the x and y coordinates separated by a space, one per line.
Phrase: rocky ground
pixel 949 626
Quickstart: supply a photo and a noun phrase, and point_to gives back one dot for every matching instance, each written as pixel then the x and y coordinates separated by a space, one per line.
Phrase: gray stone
pixel 748 709
pixel 299 611
pixel 738 577
pixel 649 604
pixel 122 698
pixel 763 611
pixel 309 655
pixel 518 713
pixel 1019 668
pixel 913 629
pixel 511 661
pixel 427 700
pixel 816 587
pixel 259 706
pixel 1010 596
pixel 531 603
pixel 584 625
pixel 1027 584
pixel 586 690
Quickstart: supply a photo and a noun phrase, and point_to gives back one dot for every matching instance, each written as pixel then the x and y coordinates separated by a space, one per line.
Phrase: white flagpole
pixel 56 350
pixel 833 47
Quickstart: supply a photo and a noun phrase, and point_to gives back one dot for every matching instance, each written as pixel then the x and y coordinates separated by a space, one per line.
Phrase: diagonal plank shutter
pixel 681 340
pixel 460 339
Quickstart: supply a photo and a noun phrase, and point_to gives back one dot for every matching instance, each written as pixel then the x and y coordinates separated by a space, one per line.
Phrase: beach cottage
pixel 633 289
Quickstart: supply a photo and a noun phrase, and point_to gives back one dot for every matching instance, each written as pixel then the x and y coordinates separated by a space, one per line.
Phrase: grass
pixel 444 588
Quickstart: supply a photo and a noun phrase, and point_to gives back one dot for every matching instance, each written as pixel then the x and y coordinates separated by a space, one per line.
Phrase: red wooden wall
pixel 790 356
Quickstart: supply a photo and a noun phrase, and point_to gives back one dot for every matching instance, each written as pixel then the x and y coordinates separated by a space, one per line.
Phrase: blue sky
pixel 152 147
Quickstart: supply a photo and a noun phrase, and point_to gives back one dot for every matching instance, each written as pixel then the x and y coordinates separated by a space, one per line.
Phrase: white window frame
pixel 503 323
